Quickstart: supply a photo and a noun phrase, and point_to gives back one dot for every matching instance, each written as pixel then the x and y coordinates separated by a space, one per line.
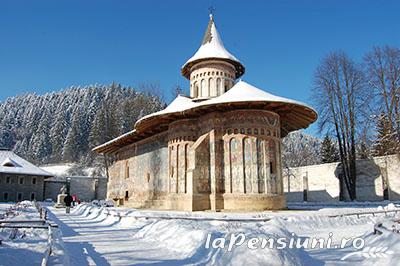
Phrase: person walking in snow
pixel 68 200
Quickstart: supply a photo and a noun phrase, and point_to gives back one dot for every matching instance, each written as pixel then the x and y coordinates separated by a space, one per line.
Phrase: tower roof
pixel 212 47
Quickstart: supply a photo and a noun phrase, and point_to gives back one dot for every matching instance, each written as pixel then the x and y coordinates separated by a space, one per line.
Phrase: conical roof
pixel 244 92
pixel 212 47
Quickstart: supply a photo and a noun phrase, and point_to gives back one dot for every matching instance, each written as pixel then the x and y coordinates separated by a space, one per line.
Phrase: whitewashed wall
pixel 323 184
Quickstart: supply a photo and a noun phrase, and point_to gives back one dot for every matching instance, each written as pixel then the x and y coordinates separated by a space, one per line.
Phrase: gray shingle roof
pixel 10 163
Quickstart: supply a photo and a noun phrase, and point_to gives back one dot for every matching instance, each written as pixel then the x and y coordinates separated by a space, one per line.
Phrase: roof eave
pixel 186 69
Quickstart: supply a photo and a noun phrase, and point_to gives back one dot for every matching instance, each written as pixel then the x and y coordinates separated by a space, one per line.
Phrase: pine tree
pixel 70 149
pixel 329 152
pixel 41 144
pixel 58 133
pixel 385 142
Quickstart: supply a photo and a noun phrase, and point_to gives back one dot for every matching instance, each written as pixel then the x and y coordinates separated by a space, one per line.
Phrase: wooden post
pixel 305 187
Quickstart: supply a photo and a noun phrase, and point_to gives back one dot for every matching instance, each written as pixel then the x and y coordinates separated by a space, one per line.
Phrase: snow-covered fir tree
pixel 386 140
pixel 329 152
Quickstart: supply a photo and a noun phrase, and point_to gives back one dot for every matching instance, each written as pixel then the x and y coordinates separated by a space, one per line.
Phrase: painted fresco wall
pixel 141 171
pixel 251 153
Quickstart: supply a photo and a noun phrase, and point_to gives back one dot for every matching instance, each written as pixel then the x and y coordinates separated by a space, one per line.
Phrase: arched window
pixel 235 182
pixel 195 90
pixel 203 88
pixel 218 86
pixel 210 86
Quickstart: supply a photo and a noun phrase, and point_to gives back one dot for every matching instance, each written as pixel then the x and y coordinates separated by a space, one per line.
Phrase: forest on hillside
pixel 64 126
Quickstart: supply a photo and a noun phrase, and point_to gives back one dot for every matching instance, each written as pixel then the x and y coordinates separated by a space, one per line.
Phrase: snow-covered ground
pixel 26 246
pixel 114 236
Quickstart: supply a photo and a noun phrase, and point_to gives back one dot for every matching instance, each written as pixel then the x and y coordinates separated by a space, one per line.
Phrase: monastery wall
pixel 85 187
pixel 319 183
pixel 140 174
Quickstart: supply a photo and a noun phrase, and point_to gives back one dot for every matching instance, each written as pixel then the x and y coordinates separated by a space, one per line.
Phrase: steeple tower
pixel 212 70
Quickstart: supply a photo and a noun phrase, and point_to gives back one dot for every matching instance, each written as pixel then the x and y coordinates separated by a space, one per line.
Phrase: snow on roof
pixel 9 163
pixel 132 132
pixel 57 169
pixel 181 103
pixel 244 92
pixel 16 165
pixel 211 47
pixel 240 92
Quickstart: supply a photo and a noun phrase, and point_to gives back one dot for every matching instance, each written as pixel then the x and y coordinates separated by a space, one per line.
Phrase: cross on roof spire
pixel 211 9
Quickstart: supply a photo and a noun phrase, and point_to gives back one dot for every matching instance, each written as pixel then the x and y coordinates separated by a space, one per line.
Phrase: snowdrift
pixel 187 239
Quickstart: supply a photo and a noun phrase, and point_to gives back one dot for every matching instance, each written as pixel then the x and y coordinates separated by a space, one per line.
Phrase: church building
pixel 219 149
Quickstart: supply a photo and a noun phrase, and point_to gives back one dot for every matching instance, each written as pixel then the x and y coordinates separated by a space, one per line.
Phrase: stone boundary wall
pixel 377 179
pixel 86 188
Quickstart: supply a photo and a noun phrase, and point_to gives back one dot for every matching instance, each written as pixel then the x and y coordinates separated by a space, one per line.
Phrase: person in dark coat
pixel 68 200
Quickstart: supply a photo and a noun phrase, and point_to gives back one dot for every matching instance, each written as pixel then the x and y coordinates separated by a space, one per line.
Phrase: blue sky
pixel 50 45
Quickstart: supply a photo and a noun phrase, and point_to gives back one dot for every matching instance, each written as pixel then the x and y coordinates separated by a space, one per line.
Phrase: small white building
pixel 19 179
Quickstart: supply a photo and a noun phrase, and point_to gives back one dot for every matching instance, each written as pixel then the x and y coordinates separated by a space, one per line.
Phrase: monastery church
pixel 219 149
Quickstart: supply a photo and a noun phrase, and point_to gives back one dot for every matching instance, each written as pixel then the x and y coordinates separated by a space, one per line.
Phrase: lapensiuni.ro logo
pixel 229 242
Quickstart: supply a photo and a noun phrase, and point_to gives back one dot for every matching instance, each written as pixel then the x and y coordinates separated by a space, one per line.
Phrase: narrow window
pixel 5 196
pixel 21 180
pixel 126 195
pixel 126 170
pixel 33 196
pixel 203 88
pixel 218 86
pixel 19 196
pixel 196 90
pixel 34 181
pixel 8 180
pixel 210 87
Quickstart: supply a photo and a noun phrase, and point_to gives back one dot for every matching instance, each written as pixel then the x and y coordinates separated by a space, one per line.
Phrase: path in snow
pixel 93 238
pixel 91 241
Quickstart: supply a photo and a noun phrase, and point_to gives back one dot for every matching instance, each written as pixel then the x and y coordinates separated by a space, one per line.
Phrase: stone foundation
pixel 228 202
pixel 254 202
